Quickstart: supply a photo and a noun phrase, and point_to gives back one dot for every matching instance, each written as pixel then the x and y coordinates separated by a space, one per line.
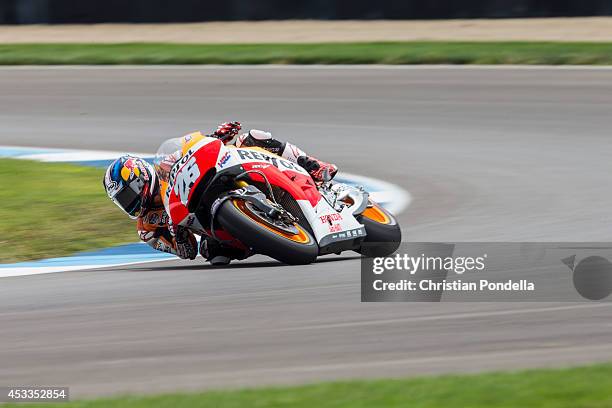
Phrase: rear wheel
pixel 383 232
pixel 288 243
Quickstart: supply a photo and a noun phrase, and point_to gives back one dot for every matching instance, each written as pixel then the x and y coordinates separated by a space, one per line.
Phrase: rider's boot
pixel 286 150
pixel 318 170
pixel 219 254
pixel 259 138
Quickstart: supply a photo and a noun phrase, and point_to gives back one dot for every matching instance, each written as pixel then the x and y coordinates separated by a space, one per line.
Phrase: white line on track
pixel 41 270
pixel 57 154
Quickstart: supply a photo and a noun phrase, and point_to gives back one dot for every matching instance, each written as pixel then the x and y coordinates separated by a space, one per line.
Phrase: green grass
pixel 53 209
pixel 552 53
pixel 587 387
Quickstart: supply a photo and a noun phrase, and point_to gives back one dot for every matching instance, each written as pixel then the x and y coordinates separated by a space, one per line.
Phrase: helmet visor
pixel 128 198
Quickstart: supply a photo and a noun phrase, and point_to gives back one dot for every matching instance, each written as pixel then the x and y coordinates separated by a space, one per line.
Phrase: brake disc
pixel 274 223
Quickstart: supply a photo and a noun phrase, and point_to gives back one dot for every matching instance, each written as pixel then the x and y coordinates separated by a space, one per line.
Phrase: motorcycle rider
pixel 133 185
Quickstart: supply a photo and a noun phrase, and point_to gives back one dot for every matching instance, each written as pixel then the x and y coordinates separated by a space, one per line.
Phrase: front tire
pixel 294 249
pixel 383 232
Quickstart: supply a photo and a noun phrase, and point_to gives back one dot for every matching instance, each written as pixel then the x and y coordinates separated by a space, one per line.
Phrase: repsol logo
pixel 175 168
pixel 275 161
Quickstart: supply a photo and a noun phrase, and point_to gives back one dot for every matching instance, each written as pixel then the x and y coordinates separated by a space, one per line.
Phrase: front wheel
pixel 383 232
pixel 290 244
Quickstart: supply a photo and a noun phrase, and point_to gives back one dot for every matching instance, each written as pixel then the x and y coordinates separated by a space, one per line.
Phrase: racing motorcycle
pixel 259 201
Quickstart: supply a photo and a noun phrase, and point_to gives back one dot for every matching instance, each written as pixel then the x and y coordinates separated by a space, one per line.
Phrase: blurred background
pixel 141 11
pixel 503 154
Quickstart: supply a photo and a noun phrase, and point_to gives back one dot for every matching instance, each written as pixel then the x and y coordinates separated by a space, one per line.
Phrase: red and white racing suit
pixel 155 227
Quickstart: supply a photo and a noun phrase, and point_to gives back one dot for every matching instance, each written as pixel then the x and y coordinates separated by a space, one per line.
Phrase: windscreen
pixel 167 154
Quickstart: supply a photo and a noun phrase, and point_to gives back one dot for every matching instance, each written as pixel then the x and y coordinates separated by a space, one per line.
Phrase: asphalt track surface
pixel 500 154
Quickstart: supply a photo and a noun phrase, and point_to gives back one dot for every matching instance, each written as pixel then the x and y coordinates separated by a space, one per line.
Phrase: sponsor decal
pixel 348 234
pixel 130 164
pixel 107 178
pixel 224 159
pixel 275 161
pixel 335 228
pixel 112 188
pixel 146 235
pixel 330 218
pixel 157 218
pixel 176 167
pixel 136 167
pixel 143 171
pixel 154 218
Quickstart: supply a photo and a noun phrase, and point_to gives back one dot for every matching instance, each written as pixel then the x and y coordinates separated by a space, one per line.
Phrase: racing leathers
pixel 156 229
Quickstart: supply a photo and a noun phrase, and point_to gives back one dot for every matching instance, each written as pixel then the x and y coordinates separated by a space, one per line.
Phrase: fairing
pixel 184 162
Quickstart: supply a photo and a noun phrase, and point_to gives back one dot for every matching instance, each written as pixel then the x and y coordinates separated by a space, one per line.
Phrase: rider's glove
pixel 186 247
pixel 226 131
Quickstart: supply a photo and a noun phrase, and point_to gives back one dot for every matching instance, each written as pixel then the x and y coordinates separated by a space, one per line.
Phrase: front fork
pixel 252 195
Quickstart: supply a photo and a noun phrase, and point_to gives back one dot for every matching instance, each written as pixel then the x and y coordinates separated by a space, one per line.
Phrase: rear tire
pixel 298 249
pixel 383 232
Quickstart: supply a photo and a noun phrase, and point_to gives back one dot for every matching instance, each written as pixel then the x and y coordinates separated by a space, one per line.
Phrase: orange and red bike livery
pixel 255 200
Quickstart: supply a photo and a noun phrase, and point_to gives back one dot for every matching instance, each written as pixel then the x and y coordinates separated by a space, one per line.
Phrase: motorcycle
pixel 259 201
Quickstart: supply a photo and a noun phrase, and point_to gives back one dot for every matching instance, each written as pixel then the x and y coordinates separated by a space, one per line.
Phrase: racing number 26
pixel 185 180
